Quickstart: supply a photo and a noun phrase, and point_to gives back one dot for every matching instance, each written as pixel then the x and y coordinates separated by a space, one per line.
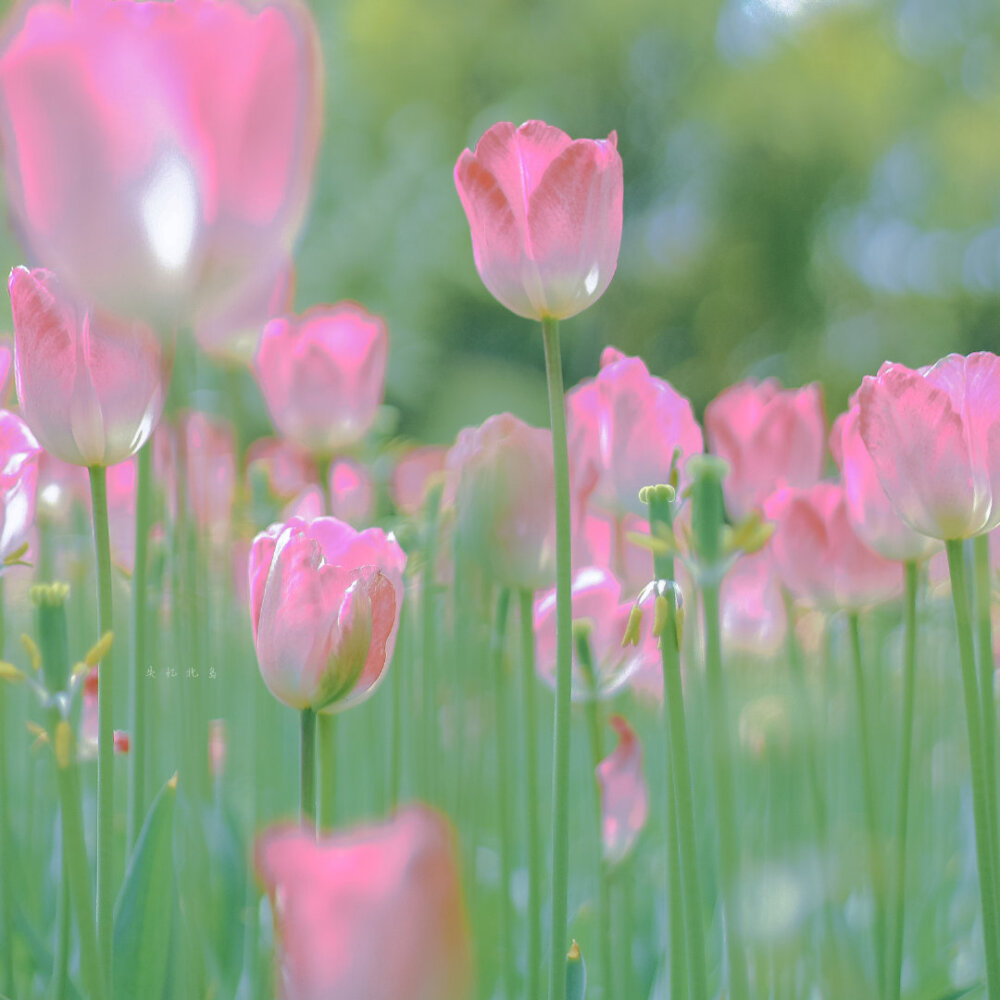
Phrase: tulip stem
pixel 307 769
pixel 660 521
pixel 564 663
pixel 137 707
pixel 60 958
pixel 105 730
pixel 678 945
pixel 868 788
pixel 530 737
pixel 429 649
pixel 984 627
pixel 7 984
pixel 326 817
pixel 980 796
pixel 895 966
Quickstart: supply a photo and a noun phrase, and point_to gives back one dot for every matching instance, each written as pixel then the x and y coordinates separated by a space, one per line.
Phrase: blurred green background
pixel 810 187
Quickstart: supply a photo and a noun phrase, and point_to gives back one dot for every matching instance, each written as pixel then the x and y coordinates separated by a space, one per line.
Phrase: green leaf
pixel 576 974
pixel 144 909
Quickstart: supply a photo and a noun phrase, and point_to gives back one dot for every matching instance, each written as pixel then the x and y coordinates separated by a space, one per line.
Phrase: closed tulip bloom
pixel 19 460
pixel 324 604
pixel 546 216
pixel 351 491
pixel 159 156
pixel 819 556
pixel 91 385
pixel 752 608
pixel 623 429
pixel 413 475
pixel 771 437
pixel 872 514
pixel 501 486
pixel 323 375
pixel 375 913
pixel 932 436
pixel 624 794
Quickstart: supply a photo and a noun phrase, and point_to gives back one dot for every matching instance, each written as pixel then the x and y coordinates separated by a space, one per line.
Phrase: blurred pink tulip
pixel 159 156
pixel 501 486
pixel 372 914
pixel 932 436
pixel 598 608
pixel 210 449
pixel 121 512
pixel 351 492
pixel 872 514
pixel 603 540
pixel 546 216
pixel 60 486
pixel 624 795
pixel 323 375
pixel 413 475
pixel 6 375
pixel 818 555
pixel 324 603
pixel 623 428
pixel 19 458
pixel 91 386
pixel 286 467
pixel 752 606
pixel 771 437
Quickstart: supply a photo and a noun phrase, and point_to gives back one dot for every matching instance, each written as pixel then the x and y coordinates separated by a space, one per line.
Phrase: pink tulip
pixel 413 475
pixel 351 491
pixel 6 373
pixel 818 555
pixel 623 429
pixel 19 458
pixel 603 540
pixel 546 216
pixel 121 483
pixel 624 795
pixel 287 468
pixel 309 504
pixel 769 436
pixel 752 606
pixel 501 485
pixel 324 603
pixel 872 515
pixel 210 450
pixel 323 375
pixel 598 608
pixel 373 914
pixel 91 386
pixel 932 435
pixel 159 156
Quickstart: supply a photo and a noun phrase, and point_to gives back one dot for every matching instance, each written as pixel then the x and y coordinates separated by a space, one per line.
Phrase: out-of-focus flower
pixel 60 485
pixel 752 608
pixel 412 476
pixel 624 795
pixel 159 156
pixel 19 458
pixel 323 374
pixel 501 486
pixel 6 374
pixel 603 540
pixel 623 429
pixel 872 514
pixel 217 747
pixel 351 491
pixel 324 603
pixel 818 555
pixel 546 216
pixel 91 386
pixel 771 437
pixel 932 436
pixel 277 471
pixel 121 482
pixel 87 744
pixel 599 612
pixel 375 913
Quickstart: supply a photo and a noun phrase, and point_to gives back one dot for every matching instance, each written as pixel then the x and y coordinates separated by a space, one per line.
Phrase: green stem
pixel 564 664
pixel 60 958
pixel 105 732
pixel 138 736
pixel 7 984
pixel 327 773
pixel 868 788
pixel 503 793
pixel 984 630
pixel 895 965
pixel 307 769
pixel 396 726
pixel 980 797
pixel 529 734
pixel 429 651
pixel 678 946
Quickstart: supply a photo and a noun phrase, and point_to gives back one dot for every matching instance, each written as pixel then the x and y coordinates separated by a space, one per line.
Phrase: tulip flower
pixel 19 458
pixel 91 385
pixel 752 609
pixel 546 216
pixel 501 487
pixel 159 156
pixel 351 491
pixel 624 795
pixel 771 437
pixel 624 427
pixel 323 375
pixel 374 913
pixel 931 436
pixel 413 475
pixel 324 602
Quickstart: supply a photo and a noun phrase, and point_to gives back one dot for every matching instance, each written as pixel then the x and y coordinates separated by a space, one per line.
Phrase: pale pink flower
pixel 752 608
pixel 603 540
pixel 323 374
pixel 19 459
pixel 546 216
pixel 324 604
pixel 412 476
pixel 934 437
pixel 624 794
pixel 351 491
pixel 872 514
pixel 771 437
pixel 121 484
pixel 159 156
pixel 818 555
pixel 375 913
pixel 623 429
pixel 91 386
pixel 286 467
